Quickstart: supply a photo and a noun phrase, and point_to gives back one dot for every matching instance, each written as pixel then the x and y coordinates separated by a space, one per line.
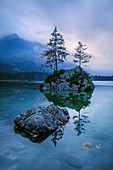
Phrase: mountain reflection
pixel 75 101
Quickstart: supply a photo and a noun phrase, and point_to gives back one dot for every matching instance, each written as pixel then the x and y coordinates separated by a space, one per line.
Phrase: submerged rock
pixel 42 119
pixel 68 80
pixel 74 162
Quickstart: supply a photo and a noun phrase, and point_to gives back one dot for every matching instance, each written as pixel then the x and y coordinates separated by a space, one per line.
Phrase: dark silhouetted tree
pixel 81 56
pixel 56 52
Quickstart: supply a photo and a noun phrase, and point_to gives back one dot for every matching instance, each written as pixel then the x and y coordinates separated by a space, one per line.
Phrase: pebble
pixel 74 162
pixel 8 157
pixel 89 168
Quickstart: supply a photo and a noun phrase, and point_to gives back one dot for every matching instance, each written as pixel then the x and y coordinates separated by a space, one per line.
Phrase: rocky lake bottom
pixel 85 143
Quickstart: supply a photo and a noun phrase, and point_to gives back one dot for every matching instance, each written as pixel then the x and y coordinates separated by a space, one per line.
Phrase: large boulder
pixel 42 119
pixel 68 80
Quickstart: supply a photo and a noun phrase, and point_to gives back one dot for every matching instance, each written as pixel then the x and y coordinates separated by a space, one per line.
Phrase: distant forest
pixel 102 78
pixel 39 76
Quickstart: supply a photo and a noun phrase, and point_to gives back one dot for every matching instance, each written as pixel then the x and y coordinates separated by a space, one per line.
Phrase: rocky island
pixel 75 79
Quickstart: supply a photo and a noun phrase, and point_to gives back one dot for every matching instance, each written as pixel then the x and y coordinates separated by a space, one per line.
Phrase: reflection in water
pixel 17 152
pixel 71 100
pixel 15 88
pixel 75 101
pixel 36 139
pixel 57 135
pixel 18 85
pixel 80 122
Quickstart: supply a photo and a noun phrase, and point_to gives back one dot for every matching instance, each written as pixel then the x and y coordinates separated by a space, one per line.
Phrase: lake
pixel 85 143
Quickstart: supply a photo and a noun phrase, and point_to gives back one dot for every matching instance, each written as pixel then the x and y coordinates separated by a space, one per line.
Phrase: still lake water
pixel 91 121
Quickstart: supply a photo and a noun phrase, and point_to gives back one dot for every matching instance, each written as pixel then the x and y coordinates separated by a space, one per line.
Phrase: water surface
pixel 91 121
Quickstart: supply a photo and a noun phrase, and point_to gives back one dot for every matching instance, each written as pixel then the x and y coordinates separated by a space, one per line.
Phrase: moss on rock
pixel 53 77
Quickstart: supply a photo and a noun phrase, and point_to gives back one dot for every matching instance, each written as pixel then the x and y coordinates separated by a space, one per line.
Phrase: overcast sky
pixel 88 21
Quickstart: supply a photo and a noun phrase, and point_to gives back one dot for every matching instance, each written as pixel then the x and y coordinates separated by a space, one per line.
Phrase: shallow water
pixel 91 121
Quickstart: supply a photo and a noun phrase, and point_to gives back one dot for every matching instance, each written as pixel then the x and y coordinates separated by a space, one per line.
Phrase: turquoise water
pixel 91 121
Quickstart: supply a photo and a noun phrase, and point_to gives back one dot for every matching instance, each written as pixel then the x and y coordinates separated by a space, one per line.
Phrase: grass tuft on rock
pixel 53 77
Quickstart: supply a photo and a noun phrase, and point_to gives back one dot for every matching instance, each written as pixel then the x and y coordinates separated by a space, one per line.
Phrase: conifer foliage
pixel 56 52
pixel 81 56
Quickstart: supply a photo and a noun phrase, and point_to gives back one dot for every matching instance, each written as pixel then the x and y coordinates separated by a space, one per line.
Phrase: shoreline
pixel 22 80
pixel 42 80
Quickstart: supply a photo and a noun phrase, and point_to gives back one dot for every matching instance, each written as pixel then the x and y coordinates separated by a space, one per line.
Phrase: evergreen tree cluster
pixel 57 52
pixel 102 78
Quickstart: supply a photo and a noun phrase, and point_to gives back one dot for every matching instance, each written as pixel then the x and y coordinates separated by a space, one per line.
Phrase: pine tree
pixel 81 55
pixel 56 52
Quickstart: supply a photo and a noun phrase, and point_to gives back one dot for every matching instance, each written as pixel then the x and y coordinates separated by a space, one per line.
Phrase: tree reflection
pixel 80 122
pixel 75 101
pixel 57 135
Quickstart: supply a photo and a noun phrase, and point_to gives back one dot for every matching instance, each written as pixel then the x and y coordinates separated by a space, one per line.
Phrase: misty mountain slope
pixel 14 49
pixel 17 54
pixel 19 66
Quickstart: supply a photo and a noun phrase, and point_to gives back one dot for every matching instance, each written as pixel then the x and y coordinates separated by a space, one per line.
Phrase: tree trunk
pixel 56 68
pixel 80 62
pixel 56 65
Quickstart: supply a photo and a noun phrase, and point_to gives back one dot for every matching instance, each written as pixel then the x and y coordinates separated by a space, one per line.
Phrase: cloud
pixel 24 18
pixel 90 22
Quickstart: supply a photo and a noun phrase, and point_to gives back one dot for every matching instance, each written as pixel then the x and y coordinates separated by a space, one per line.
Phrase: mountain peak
pixel 13 35
pixel 10 36
pixel 14 49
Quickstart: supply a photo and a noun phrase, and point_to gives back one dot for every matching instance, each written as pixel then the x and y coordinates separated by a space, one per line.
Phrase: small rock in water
pixel 8 157
pixel 74 162
pixel 21 98
pixel 14 167
pixel 89 168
